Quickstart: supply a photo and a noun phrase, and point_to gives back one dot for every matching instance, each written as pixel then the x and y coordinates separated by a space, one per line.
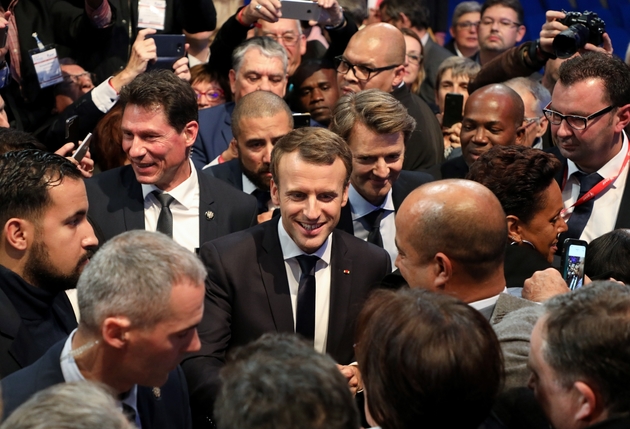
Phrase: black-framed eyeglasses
pixel 576 122
pixel 362 73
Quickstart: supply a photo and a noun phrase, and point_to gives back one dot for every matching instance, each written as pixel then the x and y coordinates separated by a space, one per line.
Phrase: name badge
pixel 47 66
pixel 151 14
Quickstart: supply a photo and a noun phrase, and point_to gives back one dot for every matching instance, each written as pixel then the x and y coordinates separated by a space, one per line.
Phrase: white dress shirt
pixel 322 282
pixel 361 207
pixel 249 188
pixel 606 204
pixel 487 302
pixel 71 373
pixel 185 210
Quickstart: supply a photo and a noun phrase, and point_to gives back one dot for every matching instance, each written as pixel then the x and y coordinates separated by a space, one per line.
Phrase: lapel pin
pixel 157 392
pixel 346 271
pixel 209 215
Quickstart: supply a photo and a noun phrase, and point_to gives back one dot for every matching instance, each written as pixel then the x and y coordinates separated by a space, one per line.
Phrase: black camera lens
pixel 567 43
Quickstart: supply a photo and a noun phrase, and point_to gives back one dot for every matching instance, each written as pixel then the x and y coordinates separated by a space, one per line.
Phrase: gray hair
pixel 132 275
pixel 464 8
pixel 459 67
pixel 540 93
pixel 78 405
pixel 265 45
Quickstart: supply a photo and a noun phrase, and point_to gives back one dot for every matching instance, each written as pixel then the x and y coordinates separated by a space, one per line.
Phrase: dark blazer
pixel 434 55
pixel 455 168
pixel 247 295
pixel 116 205
pixel 425 147
pixel 406 182
pixel 229 172
pixel 215 133
pixel 169 410
pixel 623 216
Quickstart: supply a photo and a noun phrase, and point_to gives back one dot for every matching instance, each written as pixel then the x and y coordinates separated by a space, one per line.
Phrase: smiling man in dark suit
pixel 265 279
pixel 376 127
pixel 161 190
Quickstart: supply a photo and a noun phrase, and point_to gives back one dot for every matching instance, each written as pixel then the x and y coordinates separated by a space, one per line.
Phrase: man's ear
pixel 190 132
pixel 399 74
pixel 19 233
pixel 589 404
pixel 520 136
pixel 115 331
pixel 442 271
pixel 232 76
pixel 302 44
pixel 520 33
pixel 275 192
pixel 234 146
pixel 623 116
pixel 542 128
pixel 404 20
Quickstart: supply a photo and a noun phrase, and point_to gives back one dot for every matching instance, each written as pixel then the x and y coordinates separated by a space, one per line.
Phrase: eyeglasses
pixel 504 23
pixel 467 24
pixel 531 120
pixel 576 122
pixel 362 73
pixel 414 59
pixel 213 94
pixel 287 39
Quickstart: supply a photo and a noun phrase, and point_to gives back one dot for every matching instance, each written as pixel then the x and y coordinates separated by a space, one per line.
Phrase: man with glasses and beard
pixel 46 243
pixel 259 120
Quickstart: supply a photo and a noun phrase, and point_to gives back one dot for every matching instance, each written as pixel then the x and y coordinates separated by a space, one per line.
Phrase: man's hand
pixel 86 166
pixel 332 14
pixel 550 29
pixel 181 68
pixel 353 375
pixel 451 135
pixel 544 285
pixel 4 23
pixel 606 47
pixel 142 51
pixel 267 10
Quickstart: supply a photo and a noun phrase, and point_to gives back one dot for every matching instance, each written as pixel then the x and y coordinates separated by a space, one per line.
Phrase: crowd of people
pixel 337 223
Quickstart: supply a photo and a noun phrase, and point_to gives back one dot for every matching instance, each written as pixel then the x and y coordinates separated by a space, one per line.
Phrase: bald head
pixel 461 219
pixel 493 115
pixel 258 104
pixel 375 46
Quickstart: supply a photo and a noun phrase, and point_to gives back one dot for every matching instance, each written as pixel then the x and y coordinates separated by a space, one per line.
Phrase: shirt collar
pixel 291 250
pixel 248 186
pixel 183 193
pixel 487 302
pixel 361 207
pixel 611 168
pixel 424 39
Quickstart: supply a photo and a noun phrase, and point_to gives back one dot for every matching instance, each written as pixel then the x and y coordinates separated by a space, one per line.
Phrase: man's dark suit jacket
pixel 434 55
pixel 425 147
pixel 116 205
pixel 247 295
pixel 215 133
pixel 169 410
pixel 229 172
pixel 623 216
pixel 455 168
pixel 406 182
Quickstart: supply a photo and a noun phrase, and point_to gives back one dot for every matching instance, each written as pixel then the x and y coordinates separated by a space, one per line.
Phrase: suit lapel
pixel 623 215
pixel 345 220
pixel 133 208
pixel 274 278
pixel 207 224
pixel 226 129
pixel 340 289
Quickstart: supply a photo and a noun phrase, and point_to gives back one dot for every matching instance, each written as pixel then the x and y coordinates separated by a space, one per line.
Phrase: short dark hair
pixel 315 146
pixel 612 71
pixel 518 176
pixel 279 381
pixel 163 88
pixel 12 139
pixel 416 11
pixel 420 353
pixel 586 338
pixel 515 5
pixel 258 104
pixel 25 178
pixel 607 256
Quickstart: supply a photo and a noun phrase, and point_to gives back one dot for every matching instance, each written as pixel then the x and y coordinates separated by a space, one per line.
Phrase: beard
pixel 40 272
pixel 256 177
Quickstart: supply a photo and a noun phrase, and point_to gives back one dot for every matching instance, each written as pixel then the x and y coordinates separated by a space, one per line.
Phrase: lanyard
pixel 597 189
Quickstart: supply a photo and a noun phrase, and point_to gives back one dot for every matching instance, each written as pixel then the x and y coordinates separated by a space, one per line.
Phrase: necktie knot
pixel 587 181
pixel 307 264
pixel 163 198
pixel 374 218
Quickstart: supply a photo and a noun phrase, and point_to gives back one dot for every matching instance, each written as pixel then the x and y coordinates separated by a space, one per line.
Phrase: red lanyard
pixel 597 189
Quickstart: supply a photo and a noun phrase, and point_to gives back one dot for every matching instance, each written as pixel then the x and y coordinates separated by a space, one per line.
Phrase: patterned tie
pixel 14 45
pixel 165 221
pixel 581 213
pixel 305 320
pixel 373 220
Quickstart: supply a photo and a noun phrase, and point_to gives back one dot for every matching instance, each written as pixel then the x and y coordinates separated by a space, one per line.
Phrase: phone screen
pixel 574 266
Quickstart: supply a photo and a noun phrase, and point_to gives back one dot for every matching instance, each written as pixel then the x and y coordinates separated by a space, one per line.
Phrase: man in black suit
pixel 264 279
pixel 374 59
pixel 46 242
pixel 376 127
pixel 140 298
pixel 161 190
pixel 588 113
pixel 259 120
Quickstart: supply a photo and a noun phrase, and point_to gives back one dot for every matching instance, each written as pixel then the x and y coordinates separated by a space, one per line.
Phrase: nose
pixel 136 148
pixel 480 136
pixel 318 95
pixel 267 153
pixel 264 85
pixel 90 239
pixel 380 169
pixel 311 210
pixel 563 227
pixel 195 343
pixel 563 130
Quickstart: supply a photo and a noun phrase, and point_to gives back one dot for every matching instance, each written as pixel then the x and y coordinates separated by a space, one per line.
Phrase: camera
pixel 584 28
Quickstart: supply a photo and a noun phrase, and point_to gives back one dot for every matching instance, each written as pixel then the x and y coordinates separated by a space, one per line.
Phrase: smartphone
pixel 169 48
pixel 573 262
pixel 79 154
pixel 301 120
pixel 300 9
pixel 453 108
pixel 72 129
pixel 4 32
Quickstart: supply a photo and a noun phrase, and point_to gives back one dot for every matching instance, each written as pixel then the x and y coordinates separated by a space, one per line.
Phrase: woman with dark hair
pixel 427 360
pixel 522 178
pixel 608 257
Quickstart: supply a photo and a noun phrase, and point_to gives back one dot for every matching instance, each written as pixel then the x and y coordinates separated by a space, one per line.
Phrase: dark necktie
pixel 582 213
pixel 129 412
pixel 165 221
pixel 263 198
pixel 305 318
pixel 373 220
